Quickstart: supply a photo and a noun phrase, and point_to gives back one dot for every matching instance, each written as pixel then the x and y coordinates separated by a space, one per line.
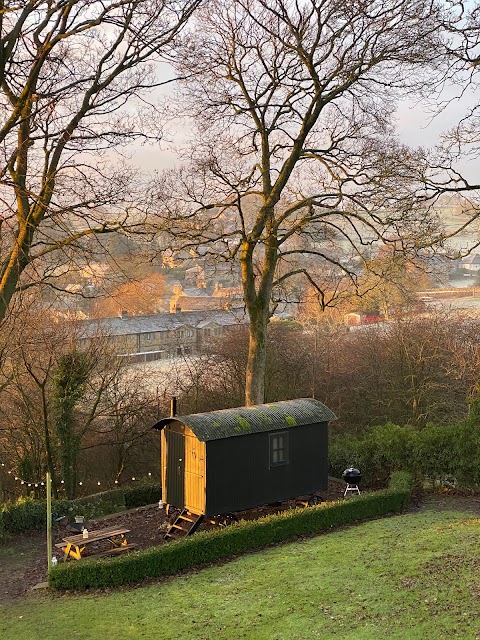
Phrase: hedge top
pixel 243 420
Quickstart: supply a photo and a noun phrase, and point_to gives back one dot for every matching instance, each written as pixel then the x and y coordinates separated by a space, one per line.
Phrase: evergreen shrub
pixel 220 544
pixel 27 514
pixel 99 504
pixel 466 453
pixel 143 494
pixel 433 453
pixel 378 453
pixel 3 534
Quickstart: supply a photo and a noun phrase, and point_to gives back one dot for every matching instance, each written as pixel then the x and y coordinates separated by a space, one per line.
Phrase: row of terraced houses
pixel 162 335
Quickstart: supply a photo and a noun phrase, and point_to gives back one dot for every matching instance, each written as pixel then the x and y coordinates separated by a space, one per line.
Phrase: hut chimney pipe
pixel 173 407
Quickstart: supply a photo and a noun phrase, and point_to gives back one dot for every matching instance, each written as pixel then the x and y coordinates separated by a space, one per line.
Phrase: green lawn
pixel 415 576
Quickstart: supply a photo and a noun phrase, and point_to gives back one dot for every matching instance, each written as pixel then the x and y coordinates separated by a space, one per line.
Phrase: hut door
pixel 175 479
pixel 194 473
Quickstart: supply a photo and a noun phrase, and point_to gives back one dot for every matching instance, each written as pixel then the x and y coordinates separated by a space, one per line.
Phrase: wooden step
pixel 188 518
pixel 184 524
pixel 173 536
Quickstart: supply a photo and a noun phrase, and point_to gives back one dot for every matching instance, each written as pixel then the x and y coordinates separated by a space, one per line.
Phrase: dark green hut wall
pixel 239 475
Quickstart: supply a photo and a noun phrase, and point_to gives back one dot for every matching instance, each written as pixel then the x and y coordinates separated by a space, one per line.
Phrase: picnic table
pixel 74 546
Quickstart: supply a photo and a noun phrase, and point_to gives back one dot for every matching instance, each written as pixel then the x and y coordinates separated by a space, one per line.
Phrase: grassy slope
pixel 411 577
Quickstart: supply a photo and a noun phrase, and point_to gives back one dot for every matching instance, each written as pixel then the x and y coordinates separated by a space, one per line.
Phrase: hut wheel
pixel 226 519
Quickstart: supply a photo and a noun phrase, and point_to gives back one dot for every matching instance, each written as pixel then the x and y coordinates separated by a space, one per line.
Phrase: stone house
pixel 184 300
pixel 162 335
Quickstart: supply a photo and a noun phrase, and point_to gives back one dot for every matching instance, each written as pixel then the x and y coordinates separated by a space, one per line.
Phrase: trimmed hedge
pixel 98 504
pixel 142 495
pixel 29 515
pixel 220 544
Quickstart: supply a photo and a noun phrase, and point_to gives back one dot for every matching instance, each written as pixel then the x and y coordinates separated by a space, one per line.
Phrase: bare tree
pixel 137 297
pixel 122 429
pixel 451 161
pixel 295 167
pixel 412 371
pixel 75 78
pixel 67 401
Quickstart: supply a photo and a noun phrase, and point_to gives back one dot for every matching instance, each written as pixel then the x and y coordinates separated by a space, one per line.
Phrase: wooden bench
pixel 74 546
pixel 114 551
pixel 61 545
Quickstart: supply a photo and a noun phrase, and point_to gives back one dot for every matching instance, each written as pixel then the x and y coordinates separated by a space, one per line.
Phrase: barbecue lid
pixel 352 475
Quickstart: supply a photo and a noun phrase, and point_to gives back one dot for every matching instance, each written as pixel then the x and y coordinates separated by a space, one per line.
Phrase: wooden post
pixel 173 407
pixel 49 521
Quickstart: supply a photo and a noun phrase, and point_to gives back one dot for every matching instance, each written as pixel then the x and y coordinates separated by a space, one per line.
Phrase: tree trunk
pixel 13 268
pixel 257 302
pixel 257 358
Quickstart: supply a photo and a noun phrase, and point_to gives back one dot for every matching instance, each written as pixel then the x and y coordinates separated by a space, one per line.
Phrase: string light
pixel 41 483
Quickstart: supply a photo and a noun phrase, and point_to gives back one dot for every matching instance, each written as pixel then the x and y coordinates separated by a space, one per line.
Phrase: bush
pixel 220 544
pixel 390 448
pixel 466 453
pixel 142 495
pixel 3 534
pixel 402 482
pixel 433 453
pixel 27 514
pixel 344 452
pixel 381 451
pixel 99 504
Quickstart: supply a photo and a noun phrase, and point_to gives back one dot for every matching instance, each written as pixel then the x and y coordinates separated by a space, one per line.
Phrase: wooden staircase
pixel 184 524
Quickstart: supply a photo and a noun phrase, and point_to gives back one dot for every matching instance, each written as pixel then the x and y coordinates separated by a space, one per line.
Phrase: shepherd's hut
pixel 235 459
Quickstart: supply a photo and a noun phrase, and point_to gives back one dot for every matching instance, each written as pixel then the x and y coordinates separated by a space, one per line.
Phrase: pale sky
pixel 415 126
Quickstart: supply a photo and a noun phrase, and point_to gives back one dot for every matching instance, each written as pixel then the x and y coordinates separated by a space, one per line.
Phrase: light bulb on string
pixel 42 483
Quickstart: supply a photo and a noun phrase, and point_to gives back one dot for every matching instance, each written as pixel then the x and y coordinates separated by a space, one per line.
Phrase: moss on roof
pixel 263 417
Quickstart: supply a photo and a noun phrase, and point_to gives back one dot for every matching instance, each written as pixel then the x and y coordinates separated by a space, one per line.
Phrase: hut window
pixel 278 449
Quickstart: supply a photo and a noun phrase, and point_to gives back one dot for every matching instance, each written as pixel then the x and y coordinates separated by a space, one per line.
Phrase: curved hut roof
pixel 240 421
